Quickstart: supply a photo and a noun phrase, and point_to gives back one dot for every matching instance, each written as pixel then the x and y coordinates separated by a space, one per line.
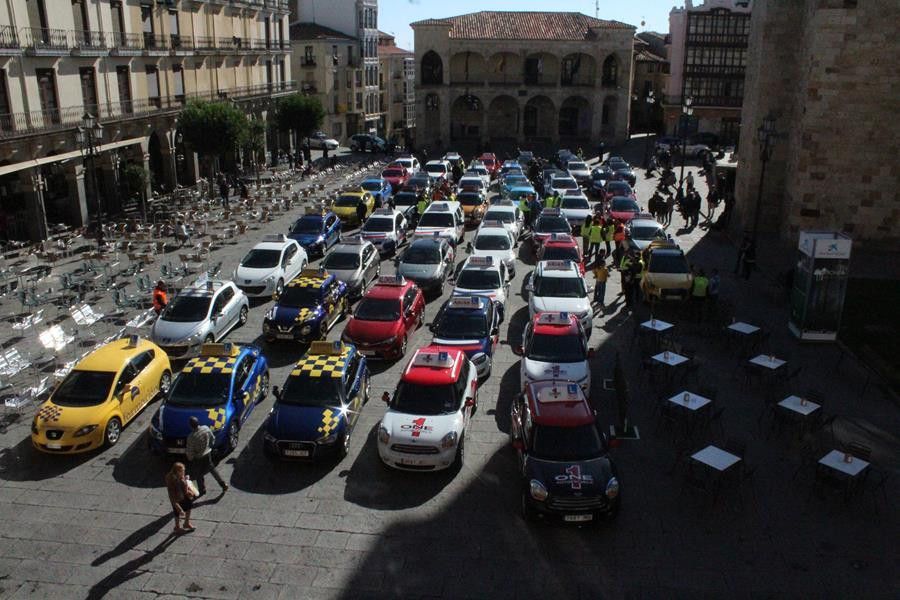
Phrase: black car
pixel 566 471
pixel 406 200
pixel 421 182
pixel 599 176
pixel 364 141
pixel 622 171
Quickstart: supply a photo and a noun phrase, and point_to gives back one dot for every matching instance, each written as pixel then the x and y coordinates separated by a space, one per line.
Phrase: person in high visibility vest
pixel 595 236
pixel 160 296
pixel 601 274
pixel 699 291
pixel 552 200
pixel 619 239
pixel 586 236
pixel 525 207
pixel 608 231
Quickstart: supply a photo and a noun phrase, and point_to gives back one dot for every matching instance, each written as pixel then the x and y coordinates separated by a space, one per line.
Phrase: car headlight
pixel 390 340
pixel 269 279
pixel 194 339
pixel 155 433
pixel 383 435
pixel 268 437
pixel 612 488
pixel 537 490
pixel 85 430
pixel 306 329
pixel 449 440
pixel 34 425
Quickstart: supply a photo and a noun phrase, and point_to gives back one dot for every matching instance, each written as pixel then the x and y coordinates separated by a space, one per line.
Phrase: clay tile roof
pixel 392 50
pixel 314 31
pixel 524 25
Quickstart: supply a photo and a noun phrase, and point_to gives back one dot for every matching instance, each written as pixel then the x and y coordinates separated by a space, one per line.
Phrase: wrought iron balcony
pixel 9 39
pixel 44 41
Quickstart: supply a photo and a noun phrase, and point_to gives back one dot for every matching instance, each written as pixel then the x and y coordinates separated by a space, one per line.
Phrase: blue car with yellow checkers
pixel 470 324
pixel 309 306
pixel 220 387
pixel 316 231
pixel 318 407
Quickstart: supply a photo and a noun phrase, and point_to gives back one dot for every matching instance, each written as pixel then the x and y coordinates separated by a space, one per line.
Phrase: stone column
pixel 37 222
pixel 81 212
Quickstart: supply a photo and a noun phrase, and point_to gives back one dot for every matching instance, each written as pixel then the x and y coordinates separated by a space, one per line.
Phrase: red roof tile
pixel 314 31
pixel 385 50
pixel 524 25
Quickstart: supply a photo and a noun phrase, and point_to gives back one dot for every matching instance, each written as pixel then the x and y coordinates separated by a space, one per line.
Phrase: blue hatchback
pixel 316 231
pixel 470 324
pixel 220 387
pixel 316 411
pixel 310 305
pixel 380 189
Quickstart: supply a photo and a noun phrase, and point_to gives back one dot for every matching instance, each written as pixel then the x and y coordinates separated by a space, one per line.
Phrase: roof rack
pixel 557 265
pixel 554 318
pixel 481 261
pixel 393 280
pixel 550 212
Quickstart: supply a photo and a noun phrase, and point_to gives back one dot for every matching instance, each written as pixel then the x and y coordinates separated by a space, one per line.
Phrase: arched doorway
pixel 608 116
pixel 157 174
pixel 466 114
pixel 575 118
pixel 432 69
pixel 503 118
pixel 539 119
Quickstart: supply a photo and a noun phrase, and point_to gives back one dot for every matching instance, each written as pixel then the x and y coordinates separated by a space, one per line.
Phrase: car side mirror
pixel 519 350
pixel 529 287
pixel 518 444
pixel 276 391
pixel 120 387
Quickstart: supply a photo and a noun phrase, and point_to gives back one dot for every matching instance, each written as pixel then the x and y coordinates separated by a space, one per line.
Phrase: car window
pixel 352 368
pixel 242 372
pixel 143 360
pixel 329 221
pixel 408 298
pixel 128 373
pixel 289 253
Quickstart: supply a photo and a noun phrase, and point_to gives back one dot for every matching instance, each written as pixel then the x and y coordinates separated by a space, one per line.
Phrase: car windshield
pixel 416 399
pixel 200 389
pixel 556 348
pixel 310 225
pixel 476 279
pixel 513 180
pixel 437 169
pixel 299 297
pixel 560 287
pixel 566 443
pixel 623 205
pixel 436 219
pixel 560 253
pixel 84 388
pixel 302 390
pixel 504 216
pixel 379 224
pixel 392 173
pixel 347 200
pixel 405 199
pixel 418 181
pixel 378 309
pixel 492 242
pixel 341 261
pixel 552 225
pixel 577 202
pixel 423 255
pixel 667 263
pixel 619 188
pixel 371 186
pixel 186 309
pixel 470 199
pixel 616 165
pixel 577 166
pixel 647 233
pixel 261 259
pixel 561 183
pixel 461 325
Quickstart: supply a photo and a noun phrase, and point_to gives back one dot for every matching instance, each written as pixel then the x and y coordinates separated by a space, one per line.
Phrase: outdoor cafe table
pixel 657 325
pixel 692 404
pixel 744 328
pixel 836 465
pixel 798 405
pixel 672 359
pixel 716 458
pixel 689 400
pixel 768 362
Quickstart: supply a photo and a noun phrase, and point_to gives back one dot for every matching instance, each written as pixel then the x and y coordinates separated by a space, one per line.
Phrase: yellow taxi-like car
pixel 667 274
pixel 474 204
pixel 345 205
pixel 106 389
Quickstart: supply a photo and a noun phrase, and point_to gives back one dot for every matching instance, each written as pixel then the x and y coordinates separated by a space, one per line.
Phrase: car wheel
pixel 113 432
pixel 263 387
pixel 242 318
pixel 279 287
pixel 233 436
pixel 344 447
pixel 460 454
pixel 165 382
pixel 367 390
pixel 323 329
pixel 209 339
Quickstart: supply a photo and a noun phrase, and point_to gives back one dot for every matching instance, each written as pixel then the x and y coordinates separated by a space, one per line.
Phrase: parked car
pixel 268 265
pixel 396 175
pixel 354 261
pixel 380 189
pixel 364 141
pixel 316 231
pixel 320 141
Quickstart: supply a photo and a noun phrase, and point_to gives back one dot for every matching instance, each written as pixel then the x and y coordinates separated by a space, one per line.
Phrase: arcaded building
pixel 528 79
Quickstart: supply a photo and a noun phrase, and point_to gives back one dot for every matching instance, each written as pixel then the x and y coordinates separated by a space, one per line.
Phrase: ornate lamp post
pixel 88 137
pixel 686 111
pixel 767 136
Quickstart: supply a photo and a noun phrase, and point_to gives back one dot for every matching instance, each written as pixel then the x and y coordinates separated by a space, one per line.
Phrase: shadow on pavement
pixel 138 467
pixel 510 386
pixel 255 473
pixel 129 570
pixel 134 539
pixel 23 463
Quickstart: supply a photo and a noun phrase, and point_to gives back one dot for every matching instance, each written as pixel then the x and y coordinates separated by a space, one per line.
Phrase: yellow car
pixel 473 204
pixel 345 205
pixel 106 389
pixel 666 274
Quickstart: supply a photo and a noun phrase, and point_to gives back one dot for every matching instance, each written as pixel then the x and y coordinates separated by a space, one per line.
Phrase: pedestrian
pixel 637 272
pixel 596 236
pixel 223 190
pixel 690 181
pixel 525 209
pixel 361 212
pixel 601 150
pixel 182 233
pixel 712 201
pixel 536 207
pixel 619 239
pixel 160 296
pixel 627 281
pixel 198 451
pixel 586 237
pixel 609 231
pixel 670 208
pixel 181 495
pixel 695 203
pixel 699 289
pixel 601 274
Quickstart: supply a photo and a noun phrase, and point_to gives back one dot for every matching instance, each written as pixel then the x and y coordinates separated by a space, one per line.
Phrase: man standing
pixel 198 451
pixel 601 274
pixel 361 212
pixel 670 209
pixel 160 297
pixel 586 237
pixel 596 236
pixel 699 290
pixel 223 190
pixel 525 201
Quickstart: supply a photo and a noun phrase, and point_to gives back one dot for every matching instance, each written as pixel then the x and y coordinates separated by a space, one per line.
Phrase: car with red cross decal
pixel 221 387
pixel 316 410
pixel 425 424
pixel 554 345
pixel 566 471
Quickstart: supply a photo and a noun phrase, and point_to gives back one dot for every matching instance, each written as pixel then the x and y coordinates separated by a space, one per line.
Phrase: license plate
pixel 296 452
pixel 577 518
pixel 410 462
pixel 368 352
pixel 54 445
pixel 285 336
pixel 176 450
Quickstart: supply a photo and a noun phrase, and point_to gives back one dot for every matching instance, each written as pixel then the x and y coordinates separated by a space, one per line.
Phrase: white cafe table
pixel 799 405
pixel 692 402
pixel 768 362
pixel 672 359
pixel 835 460
pixel 745 328
pixel 715 457
pixel 657 325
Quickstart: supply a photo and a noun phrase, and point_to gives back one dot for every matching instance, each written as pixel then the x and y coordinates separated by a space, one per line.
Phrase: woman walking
pixel 181 495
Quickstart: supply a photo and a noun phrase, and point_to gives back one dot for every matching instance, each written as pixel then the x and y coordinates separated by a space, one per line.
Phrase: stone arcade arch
pixel 578 69
pixel 466 114
pixel 467 67
pixel 432 69
pixel 503 118
pixel 539 119
pixel 575 117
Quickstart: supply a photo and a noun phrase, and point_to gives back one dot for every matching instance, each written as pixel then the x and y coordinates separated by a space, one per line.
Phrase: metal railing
pixel 127 41
pixel 181 42
pixel 9 37
pixel 42 38
pixel 204 42
pixel 308 61
pixel 90 40
pixel 155 41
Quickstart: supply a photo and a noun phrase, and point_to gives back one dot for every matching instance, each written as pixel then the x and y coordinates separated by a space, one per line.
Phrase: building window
pixel 432 69
pixel 178 76
pixel 432 102
pixel 153 86
pixel 337 130
pixel 88 89
pixel 5 119
pixel 610 70
pixel 123 81
pixel 309 59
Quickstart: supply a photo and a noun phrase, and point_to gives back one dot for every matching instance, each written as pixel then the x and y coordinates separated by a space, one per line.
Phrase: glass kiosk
pixel 819 285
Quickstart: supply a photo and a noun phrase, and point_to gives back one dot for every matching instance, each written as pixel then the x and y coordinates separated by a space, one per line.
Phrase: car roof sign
pixel 465 302
pixel 555 394
pixel 560 237
pixel 384 211
pixel 550 212
pixel 439 360
pixel 557 265
pixel 491 223
pixel 274 237
pixel 219 349
pixel 326 348
pixel 313 272
pixel 553 318
pixel 353 240
pixel 481 261
pixel 439 207
pixel 395 280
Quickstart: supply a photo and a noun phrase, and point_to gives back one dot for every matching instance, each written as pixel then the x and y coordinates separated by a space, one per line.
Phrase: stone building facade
pixel 397 88
pixel 827 71
pixel 132 65
pixel 502 79
pixel 651 74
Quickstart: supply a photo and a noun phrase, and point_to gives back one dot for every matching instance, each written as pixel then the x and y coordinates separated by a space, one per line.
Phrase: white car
pixel 579 171
pixel 482 276
pixel 561 183
pixel 439 169
pixel 557 286
pixel 320 141
pixel 472 183
pixel 507 213
pixel 201 313
pixel 269 265
pixel 386 228
pixel 443 219
pixel 554 346
pixel 411 163
pixel 478 168
pixel 425 424
pixel 495 241
pixel 575 207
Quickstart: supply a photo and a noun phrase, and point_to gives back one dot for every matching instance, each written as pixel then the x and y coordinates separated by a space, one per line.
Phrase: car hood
pixel 571 478
pixel 579 214
pixel 304 423
pixel 304 239
pixel 419 271
pixel 170 332
pixel 246 275
pixel 371 331
pixel 537 370
pixel 669 280
pixel 282 315
pixel 549 303
pixel 427 232
pixel 174 421
pixel 402 430
pixel 51 416
pixel 497 255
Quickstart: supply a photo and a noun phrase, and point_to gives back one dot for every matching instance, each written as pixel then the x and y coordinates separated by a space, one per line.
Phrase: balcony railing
pixel 41 38
pixel 204 43
pixel 155 42
pixel 127 41
pixel 9 38
pixel 308 61
pixel 27 123
pixel 90 40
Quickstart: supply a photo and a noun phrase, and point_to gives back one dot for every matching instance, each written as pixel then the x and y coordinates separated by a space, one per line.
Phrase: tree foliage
pixel 300 114
pixel 213 128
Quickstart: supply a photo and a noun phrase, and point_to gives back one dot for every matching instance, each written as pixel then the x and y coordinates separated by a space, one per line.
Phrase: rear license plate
pixel 296 453
pixel 285 336
pixel 176 450
pixel 54 445
pixel 578 518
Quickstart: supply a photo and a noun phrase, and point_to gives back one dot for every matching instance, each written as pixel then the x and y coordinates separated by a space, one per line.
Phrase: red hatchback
pixel 490 162
pixel 561 246
pixel 396 175
pixel 385 318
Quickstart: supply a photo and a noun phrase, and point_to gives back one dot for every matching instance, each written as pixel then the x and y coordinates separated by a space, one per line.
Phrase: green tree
pixel 255 143
pixel 213 128
pixel 133 179
pixel 301 114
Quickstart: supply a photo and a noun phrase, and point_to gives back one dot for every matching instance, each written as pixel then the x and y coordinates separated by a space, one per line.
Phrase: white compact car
pixel 554 346
pixel 472 183
pixel 575 207
pixel 410 163
pixel 439 169
pixel 269 265
pixel 579 171
pixel 561 183
pixel 507 213
pixel 386 228
pixel 495 241
pixel 425 424
pixel 444 219
pixel 482 276
pixel 557 286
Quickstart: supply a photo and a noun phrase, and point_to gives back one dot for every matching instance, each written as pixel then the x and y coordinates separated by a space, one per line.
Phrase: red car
pixel 623 209
pixel 490 161
pixel 396 175
pixel 385 318
pixel 561 246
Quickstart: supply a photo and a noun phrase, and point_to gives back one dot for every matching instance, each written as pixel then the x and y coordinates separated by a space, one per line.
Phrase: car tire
pixel 112 432
pixel 209 339
pixel 344 447
pixel 323 329
pixel 460 460
pixel 165 382
pixel 403 347
pixel 279 287
pixel 233 437
pixel 243 316
pixel 263 387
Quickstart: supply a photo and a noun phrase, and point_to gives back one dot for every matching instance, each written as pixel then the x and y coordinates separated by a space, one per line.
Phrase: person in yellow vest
pixel 525 207
pixel 601 274
pixel 552 200
pixel 421 205
pixel 699 292
pixel 586 236
pixel 608 232
pixel 595 236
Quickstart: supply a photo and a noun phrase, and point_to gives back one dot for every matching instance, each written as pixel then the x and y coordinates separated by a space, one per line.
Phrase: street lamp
pixel 686 110
pixel 650 100
pixel 88 137
pixel 766 135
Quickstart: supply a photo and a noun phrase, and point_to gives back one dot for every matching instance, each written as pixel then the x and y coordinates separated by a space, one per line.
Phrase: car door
pixel 409 309
pixel 290 262
pixel 370 255
pixel 143 387
pixel 353 389
pixel 128 391
pixel 243 396
pixel 223 312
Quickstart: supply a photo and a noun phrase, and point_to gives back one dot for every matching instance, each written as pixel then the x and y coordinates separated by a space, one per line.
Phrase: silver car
pixel 200 313
pixel 354 261
pixel 428 262
pixel 575 207
pixel 641 231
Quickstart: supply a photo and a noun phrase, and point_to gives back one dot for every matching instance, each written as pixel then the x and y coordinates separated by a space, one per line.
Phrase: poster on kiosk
pixel 820 284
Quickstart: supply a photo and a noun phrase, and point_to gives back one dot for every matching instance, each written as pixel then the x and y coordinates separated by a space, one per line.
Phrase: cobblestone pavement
pixel 98 525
